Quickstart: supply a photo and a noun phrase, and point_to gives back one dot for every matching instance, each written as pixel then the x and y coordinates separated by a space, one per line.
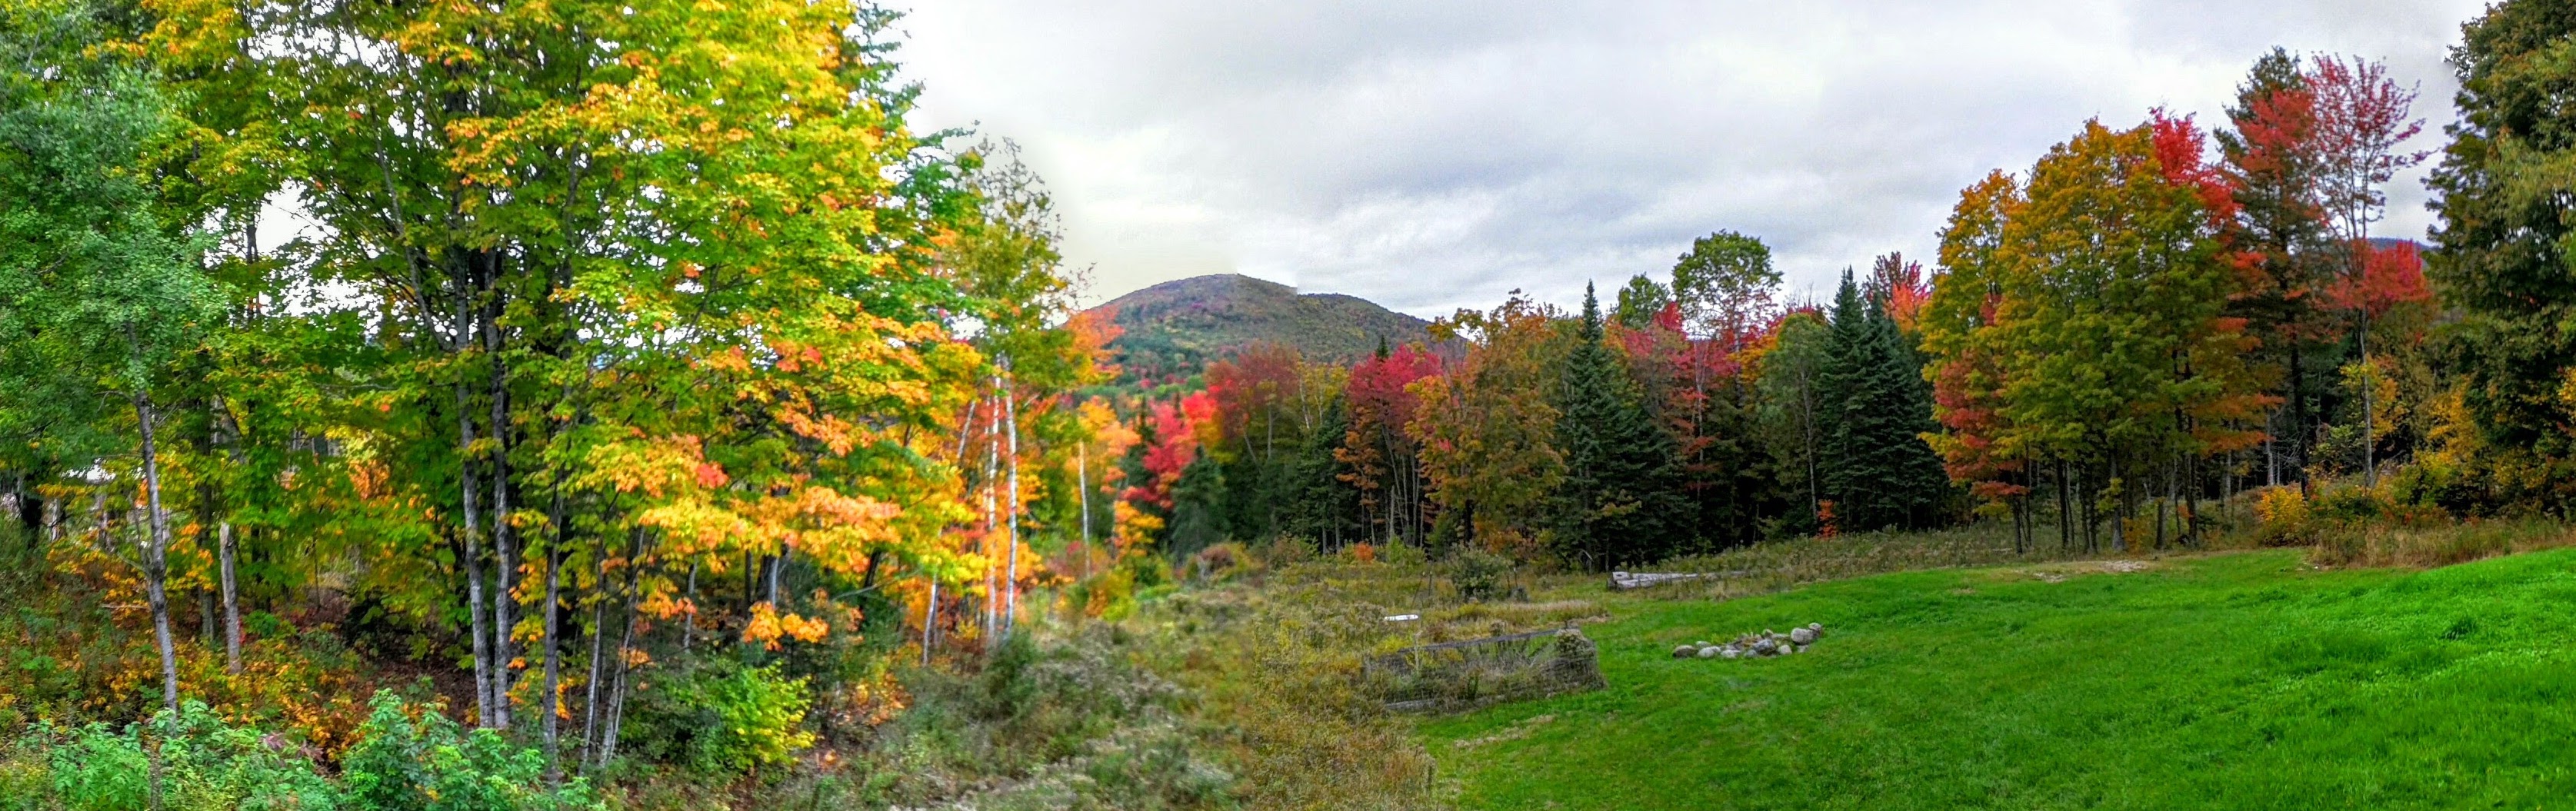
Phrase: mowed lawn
pixel 2225 681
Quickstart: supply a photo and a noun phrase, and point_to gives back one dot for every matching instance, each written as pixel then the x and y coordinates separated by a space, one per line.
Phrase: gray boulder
pixel 1708 653
pixel 1684 651
pixel 1803 636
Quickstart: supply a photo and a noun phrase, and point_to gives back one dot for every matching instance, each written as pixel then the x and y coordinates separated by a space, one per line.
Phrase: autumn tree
pixel 1487 425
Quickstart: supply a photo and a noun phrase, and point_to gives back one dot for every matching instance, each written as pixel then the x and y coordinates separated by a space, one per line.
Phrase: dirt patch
pixel 1512 733
pixel 2061 572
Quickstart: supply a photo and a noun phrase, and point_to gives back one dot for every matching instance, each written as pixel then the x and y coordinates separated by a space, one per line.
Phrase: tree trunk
pixel 1011 518
pixel 554 666
pixel 607 743
pixel 598 637
pixel 156 568
pixel 232 599
pixel 505 564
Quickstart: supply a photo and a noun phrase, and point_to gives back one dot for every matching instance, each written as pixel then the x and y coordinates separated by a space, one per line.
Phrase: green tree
pixel 1620 493
pixel 1640 302
pixel 2504 260
pixel 1875 463
pixel 101 300
pixel 1724 287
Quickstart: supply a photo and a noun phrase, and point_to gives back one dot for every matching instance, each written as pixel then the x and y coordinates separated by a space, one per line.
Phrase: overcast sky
pixel 1433 155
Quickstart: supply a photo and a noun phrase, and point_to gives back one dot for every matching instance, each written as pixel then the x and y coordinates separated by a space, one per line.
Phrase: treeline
pixel 2144 324
pixel 1696 414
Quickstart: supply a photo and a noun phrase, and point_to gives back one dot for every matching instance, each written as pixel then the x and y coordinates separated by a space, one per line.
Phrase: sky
pixel 1436 155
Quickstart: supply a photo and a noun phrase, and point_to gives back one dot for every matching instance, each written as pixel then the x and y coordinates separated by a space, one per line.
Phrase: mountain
pixel 1173 329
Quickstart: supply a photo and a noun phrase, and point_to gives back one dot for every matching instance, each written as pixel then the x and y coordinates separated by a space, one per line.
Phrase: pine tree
pixel 1621 489
pixel 1876 464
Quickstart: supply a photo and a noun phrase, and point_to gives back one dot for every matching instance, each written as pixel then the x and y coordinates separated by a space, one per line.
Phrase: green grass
pixel 2226 681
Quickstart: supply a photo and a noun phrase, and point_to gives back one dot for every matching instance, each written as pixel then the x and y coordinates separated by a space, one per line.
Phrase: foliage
pixel 190 760
pixel 2504 241
pixel 1874 463
pixel 718 717
pixel 417 759
pixel 1621 489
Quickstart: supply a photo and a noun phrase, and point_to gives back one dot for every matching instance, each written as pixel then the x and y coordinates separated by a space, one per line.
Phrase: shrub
pixel 204 765
pixel 717 717
pixel 1478 574
pixel 1224 561
pixel 417 759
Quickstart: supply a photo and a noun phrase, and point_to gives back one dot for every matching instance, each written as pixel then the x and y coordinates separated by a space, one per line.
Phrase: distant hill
pixel 1174 328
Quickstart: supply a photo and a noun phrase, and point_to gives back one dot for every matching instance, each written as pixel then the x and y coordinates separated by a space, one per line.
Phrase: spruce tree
pixel 1620 497
pixel 1875 464
pixel 1198 509
pixel 1327 508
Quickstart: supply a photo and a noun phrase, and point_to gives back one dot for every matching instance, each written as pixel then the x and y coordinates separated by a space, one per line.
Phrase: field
pixel 2238 680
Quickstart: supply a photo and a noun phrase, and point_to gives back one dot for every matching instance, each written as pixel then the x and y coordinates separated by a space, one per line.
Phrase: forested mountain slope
pixel 1175 328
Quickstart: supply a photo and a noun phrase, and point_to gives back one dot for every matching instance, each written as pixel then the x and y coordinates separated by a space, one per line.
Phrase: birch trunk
pixel 156 566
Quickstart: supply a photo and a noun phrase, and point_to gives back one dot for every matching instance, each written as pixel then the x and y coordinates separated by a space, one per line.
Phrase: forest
pixel 634 410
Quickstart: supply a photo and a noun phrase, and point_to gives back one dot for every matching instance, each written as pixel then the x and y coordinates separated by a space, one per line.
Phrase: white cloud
pixel 1431 155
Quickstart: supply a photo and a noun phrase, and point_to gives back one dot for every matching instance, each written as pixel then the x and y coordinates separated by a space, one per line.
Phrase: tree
pixel 2278 241
pixel 1875 464
pixel 1640 302
pixel 2503 261
pixel 1621 490
pixel 101 301
pixel 1487 425
pixel 2093 299
pixel 2362 117
pixel 1724 286
pixel 1383 459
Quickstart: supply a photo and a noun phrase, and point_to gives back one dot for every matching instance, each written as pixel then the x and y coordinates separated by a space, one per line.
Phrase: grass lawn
pixel 2227 681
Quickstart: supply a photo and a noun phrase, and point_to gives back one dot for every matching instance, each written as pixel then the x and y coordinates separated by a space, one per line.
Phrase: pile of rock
pixel 1755 646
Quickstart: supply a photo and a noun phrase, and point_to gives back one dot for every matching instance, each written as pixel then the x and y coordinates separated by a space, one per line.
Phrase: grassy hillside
pixel 2247 680
pixel 1175 328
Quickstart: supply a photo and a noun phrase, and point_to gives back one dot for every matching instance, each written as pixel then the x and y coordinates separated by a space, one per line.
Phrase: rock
pixel 1684 651
pixel 1729 652
pixel 1700 644
pixel 1803 636
pixel 1708 653
pixel 1765 647
pixel 1817 627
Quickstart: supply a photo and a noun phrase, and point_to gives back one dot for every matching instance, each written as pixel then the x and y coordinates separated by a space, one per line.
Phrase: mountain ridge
pixel 1173 329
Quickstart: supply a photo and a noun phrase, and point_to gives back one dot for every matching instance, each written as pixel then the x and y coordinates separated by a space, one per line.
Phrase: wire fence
pixel 1471 673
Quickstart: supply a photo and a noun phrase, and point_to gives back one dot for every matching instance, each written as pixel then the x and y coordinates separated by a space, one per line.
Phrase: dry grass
pixel 1770 567
pixel 2380 544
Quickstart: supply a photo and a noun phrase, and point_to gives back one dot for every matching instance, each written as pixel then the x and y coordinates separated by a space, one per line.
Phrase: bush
pixel 204 765
pixel 417 759
pixel 1478 574
pixel 719 717
pixel 1225 561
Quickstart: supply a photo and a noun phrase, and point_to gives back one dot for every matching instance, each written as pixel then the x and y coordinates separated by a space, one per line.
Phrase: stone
pixel 1765 647
pixel 1700 644
pixel 1708 653
pixel 1803 636
pixel 1684 651
pixel 1729 652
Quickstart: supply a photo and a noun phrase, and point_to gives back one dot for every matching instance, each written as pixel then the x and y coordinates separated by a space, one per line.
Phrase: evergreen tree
pixel 1620 494
pixel 1198 509
pixel 1327 508
pixel 1875 462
